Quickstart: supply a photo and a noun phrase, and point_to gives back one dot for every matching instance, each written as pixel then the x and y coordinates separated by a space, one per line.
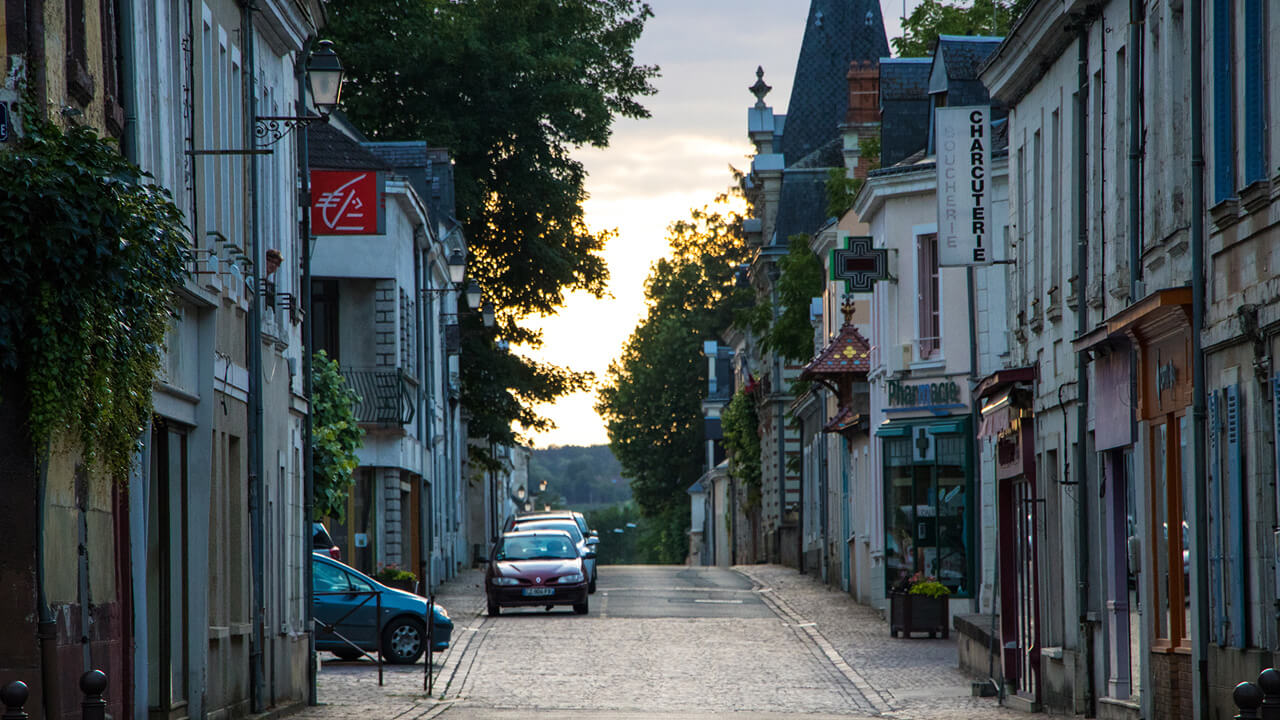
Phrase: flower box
pixel 918 613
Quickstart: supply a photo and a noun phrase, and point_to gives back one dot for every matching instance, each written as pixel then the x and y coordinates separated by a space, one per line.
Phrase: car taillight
pixel 335 552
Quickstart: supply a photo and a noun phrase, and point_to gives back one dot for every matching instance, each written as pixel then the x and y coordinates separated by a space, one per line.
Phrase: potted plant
pixel 393 576
pixel 919 604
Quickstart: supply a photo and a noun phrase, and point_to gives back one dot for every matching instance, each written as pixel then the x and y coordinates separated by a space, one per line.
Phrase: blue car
pixel 344 606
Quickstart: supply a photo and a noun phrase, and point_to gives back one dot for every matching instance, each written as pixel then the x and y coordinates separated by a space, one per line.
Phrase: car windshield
pixel 536 547
pixel 568 526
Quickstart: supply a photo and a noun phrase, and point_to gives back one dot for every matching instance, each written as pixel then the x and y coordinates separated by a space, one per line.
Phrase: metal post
pixel 429 681
pixel 1247 697
pixel 14 696
pixel 92 684
pixel 377 635
pixel 1269 682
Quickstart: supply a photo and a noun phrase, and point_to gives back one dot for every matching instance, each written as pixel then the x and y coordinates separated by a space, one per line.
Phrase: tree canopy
pixel 510 87
pixel 931 18
pixel 786 329
pixel 651 399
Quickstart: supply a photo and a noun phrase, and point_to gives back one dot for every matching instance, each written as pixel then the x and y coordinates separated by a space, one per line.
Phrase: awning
pixel 1162 311
pixel 947 425
pixel 996 414
pixel 1000 380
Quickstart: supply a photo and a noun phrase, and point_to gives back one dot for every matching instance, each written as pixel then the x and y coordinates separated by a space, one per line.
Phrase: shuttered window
pixel 927 310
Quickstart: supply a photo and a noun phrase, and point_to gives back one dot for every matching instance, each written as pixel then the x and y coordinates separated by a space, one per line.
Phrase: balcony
pixel 387 396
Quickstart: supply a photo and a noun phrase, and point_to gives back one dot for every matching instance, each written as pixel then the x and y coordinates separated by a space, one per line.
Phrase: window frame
pixel 1167 492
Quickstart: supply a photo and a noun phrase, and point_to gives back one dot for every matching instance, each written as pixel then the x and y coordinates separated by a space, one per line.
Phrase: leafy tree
pixel 582 477
pixel 335 437
pixel 651 400
pixel 841 189
pixel 787 329
pixel 931 18
pixel 510 87
pixel 92 258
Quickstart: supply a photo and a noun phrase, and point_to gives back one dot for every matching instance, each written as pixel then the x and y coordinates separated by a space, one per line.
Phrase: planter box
pixel 405 585
pixel 917 613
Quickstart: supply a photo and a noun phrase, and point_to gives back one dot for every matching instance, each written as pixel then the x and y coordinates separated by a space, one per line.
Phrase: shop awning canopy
pixel 1153 314
pixel 904 427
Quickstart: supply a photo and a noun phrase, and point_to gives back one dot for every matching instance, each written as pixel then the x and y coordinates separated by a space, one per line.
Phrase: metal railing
pixel 332 628
pixel 386 397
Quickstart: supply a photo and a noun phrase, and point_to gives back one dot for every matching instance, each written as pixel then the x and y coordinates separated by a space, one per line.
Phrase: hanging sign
pixel 963 142
pixel 347 202
pixel 859 264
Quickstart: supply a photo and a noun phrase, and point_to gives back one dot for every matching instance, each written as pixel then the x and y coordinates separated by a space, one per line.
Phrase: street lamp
pixel 324 76
pixel 474 294
pixel 457 266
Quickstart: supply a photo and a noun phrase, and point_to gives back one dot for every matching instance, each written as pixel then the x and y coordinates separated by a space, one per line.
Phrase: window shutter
pixel 1275 407
pixel 1235 540
pixel 1224 168
pixel 1218 628
pixel 1255 147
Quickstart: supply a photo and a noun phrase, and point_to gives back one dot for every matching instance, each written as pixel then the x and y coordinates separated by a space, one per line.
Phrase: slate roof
pixel 328 148
pixel 836 33
pixel 428 169
pixel 965 54
pixel 849 353
pixel 904 107
pixel 904 78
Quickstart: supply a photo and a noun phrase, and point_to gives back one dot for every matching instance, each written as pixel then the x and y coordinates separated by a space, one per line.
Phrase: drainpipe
pixel 46 626
pixel 1135 150
pixel 253 347
pixel 128 85
pixel 1200 601
pixel 1082 376
pixel 424 393
pixel 308 467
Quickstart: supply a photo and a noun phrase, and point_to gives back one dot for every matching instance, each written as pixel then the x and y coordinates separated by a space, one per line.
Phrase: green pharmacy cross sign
pixel 859 265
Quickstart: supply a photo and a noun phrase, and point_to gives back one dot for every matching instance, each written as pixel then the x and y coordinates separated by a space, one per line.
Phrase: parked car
pixel 576 516
pixel 586 545
pixel 350 611
pixel 320 540
pixel 534 568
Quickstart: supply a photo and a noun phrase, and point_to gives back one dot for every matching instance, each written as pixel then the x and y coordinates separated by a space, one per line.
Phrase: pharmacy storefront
pixel 929 484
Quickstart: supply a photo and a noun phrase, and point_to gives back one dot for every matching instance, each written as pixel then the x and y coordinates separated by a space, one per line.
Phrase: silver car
pixel 586 545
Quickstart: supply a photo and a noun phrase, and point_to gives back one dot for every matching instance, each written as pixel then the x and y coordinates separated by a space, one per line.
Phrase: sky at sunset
pixel 655 170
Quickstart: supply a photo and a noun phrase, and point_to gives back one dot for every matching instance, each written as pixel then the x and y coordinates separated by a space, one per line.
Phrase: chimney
pixel 864 93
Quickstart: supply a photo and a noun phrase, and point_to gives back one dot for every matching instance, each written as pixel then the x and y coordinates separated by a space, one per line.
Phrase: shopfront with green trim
pixel 929 495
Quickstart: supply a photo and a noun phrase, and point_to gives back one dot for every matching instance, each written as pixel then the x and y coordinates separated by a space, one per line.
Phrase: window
pixel 1224 168
pixel 927 310
pixel 1255 69
pixel 926 506
pixel 1057 209
pixel 327 578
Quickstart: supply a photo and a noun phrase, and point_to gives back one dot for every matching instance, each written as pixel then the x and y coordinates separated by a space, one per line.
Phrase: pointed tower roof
pixel 837 33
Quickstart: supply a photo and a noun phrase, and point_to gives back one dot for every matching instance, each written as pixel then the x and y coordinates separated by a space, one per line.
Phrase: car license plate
pixel 538 591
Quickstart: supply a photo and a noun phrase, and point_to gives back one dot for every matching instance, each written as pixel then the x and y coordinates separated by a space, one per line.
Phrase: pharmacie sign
pixel 943 395
pixel 963 142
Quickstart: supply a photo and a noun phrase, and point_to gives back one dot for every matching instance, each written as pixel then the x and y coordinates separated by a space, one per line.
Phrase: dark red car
pixel 536 568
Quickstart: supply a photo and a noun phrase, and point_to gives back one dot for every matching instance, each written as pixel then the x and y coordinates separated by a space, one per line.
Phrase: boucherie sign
pixel 965 228
pixel 347 202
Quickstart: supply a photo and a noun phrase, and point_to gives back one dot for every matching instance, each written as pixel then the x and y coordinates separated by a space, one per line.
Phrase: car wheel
pixel 403 641
pixel 581 608
pixel 494 609
pixel 348 654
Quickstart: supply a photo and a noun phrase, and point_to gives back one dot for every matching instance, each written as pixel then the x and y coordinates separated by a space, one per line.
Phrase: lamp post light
pixel 474 294
pixel 324 76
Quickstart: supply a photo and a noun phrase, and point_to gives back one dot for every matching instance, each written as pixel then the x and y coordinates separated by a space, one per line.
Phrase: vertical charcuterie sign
pixel 347 202
pixel 963 142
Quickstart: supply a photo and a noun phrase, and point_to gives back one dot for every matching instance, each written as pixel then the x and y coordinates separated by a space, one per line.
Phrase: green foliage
pixel 787 329
pixel 618 548
pixel 335 437
pixel 841 189
pixel 91 260
pixel 511 87
pixel 651 399
pixel 741 424
pixel 578 476
pixel 393 573
pixel 664 538
pixel 932 588
pixel 931 18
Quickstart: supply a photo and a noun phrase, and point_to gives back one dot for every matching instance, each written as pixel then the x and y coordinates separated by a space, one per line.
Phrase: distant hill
pixel 582 477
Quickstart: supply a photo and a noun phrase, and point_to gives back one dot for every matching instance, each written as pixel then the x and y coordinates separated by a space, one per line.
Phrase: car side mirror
pixel 593 541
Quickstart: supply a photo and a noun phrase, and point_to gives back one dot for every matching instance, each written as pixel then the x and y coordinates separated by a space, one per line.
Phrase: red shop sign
pixel 347 202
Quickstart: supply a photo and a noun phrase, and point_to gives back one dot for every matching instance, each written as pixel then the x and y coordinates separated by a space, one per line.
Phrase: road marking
pixel 721 602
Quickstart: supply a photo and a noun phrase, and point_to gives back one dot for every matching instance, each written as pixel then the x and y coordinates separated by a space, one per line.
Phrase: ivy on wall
pixel 335 436
pixel 92 256
pixel 741 426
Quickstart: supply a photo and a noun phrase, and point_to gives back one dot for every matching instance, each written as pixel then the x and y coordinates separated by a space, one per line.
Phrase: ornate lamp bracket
pixel 271 129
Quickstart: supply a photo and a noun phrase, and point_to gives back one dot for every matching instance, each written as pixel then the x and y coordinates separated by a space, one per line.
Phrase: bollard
pixel 14 696
pixel 1247 697
pixel 93 684
pixel 1269 683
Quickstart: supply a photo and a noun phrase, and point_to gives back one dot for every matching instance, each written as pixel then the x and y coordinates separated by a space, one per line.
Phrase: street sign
pixel 347 202
pixel 965 225
pixel 858 264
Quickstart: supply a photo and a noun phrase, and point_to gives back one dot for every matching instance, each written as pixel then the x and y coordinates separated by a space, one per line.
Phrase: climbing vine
pixel 335 436
pixel 92 255
pixel 741 426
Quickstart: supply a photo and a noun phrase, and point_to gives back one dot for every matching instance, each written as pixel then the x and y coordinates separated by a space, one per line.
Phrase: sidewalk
pixel 900 678
pixel 903 678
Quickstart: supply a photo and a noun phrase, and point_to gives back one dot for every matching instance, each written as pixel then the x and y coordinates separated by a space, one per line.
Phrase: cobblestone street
pixel 673 642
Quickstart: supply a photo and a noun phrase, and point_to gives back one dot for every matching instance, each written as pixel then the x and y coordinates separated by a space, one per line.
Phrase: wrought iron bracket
pixel 271 129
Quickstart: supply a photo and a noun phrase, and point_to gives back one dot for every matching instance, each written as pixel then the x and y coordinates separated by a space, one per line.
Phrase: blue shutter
pixel 1224 168
pixel 1235 520
pixel 1218 628
pixel 1254 78
pixel 1275 407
